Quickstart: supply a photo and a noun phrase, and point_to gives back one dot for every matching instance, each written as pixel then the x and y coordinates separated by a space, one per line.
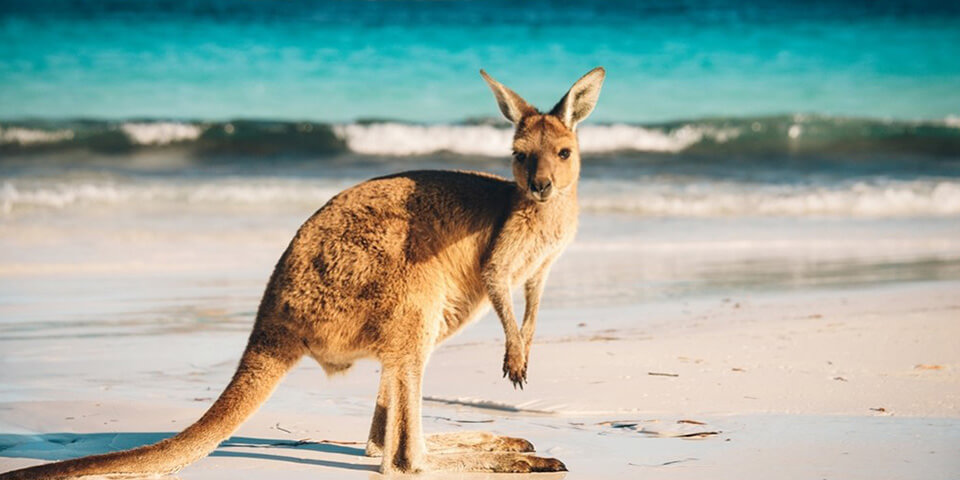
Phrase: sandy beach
pixel 855 381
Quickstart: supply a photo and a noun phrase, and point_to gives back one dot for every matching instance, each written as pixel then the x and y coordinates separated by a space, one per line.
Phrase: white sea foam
pixel 405 139
pixel 795 131
pixel 29 136
pixel 859 199
pixel 612 138
pixel 486 140
pixel 649 197
pixel 234 193
pixel 161 133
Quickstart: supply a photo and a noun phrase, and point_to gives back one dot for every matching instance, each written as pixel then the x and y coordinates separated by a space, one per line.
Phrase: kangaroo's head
pixel 546 156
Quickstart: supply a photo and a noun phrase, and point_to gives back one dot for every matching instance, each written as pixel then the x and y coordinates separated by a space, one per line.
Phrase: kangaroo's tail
pixel 263 365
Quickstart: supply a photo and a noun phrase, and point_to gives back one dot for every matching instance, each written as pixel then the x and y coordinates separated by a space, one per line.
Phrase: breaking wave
pixel 785 134
pixel 161 133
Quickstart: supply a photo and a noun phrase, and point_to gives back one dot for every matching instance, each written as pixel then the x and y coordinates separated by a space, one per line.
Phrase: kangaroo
pixel 389 269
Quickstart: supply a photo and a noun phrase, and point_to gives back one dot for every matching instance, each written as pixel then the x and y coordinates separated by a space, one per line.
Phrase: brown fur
pixel 389 269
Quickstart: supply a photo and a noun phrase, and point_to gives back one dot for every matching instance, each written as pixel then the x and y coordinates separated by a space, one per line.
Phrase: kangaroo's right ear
pixel 512 105
pixel 580 100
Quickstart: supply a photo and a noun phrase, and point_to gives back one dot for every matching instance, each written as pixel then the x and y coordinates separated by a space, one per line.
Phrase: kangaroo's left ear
pixel 577 104
pixel 513 106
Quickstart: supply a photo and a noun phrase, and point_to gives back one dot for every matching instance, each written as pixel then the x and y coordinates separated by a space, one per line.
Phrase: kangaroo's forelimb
pixel 497 277
pixel 514 361
pixel 533 292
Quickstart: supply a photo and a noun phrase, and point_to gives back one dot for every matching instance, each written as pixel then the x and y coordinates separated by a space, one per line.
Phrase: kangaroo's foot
pixel 464 442
pixel 494 462
pixel 456 442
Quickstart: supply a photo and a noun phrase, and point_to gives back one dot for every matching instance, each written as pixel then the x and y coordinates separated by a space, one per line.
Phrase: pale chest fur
pixel 546 234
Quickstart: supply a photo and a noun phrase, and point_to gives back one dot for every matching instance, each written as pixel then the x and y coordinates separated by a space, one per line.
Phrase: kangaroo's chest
pixel 535 257
pixel 538 248
pixel 541 248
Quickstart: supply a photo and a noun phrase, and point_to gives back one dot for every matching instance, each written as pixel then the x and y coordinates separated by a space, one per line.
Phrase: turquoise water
pixel 335 61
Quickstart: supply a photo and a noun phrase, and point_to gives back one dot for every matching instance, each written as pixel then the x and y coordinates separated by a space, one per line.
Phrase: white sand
pixel 842 383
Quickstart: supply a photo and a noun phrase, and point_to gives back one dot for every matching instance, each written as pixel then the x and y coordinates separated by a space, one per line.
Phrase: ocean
pixel 343 61
pixel 156 156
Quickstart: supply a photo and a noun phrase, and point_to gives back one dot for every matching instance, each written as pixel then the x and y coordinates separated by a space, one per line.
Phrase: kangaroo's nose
pixel 542 187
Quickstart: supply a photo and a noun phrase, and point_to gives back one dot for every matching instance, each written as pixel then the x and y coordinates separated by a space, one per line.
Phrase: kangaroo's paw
pixel 497 462
pixel 515 365
pixel 475 442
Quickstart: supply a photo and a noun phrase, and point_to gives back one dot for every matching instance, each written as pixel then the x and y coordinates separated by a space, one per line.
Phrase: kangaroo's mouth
pixel 540 197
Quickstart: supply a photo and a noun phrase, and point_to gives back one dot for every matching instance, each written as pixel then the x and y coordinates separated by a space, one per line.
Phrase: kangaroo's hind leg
pixel 450 442
pixel 378 427
pixel 404 448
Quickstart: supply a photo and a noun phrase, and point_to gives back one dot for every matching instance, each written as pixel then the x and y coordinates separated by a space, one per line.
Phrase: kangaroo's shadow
pixel 62 446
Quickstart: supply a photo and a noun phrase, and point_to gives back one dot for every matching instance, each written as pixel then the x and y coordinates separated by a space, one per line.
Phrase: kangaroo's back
pixel 413 215
pixel 377 248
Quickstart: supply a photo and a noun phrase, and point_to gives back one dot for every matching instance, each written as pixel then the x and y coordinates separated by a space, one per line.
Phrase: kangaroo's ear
pixel 512 105
pixel 577 104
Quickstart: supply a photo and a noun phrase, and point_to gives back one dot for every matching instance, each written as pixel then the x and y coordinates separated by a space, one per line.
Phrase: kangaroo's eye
pixel 564 153
pixel 520 156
